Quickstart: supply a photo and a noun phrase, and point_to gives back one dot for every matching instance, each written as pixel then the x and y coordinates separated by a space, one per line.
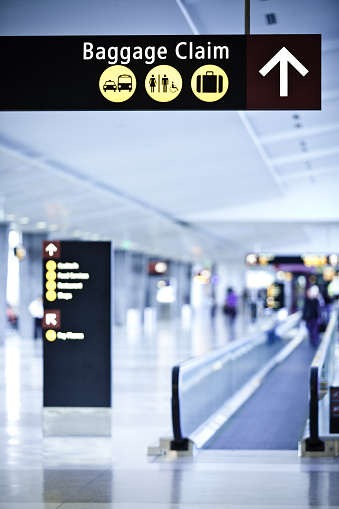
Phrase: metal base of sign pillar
pixel 330 449
pixel 168 446
pixel 77 421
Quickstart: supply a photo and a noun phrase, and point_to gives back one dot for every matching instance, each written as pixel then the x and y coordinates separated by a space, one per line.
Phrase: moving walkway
pixel 254 393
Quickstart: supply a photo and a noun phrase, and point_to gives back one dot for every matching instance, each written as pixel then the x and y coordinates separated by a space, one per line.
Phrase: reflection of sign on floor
pixel 163 83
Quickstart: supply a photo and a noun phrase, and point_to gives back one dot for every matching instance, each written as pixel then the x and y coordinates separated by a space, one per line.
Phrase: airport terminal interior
pixel 169 258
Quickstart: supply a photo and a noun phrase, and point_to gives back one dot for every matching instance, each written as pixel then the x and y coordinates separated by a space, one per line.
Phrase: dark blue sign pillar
pixel 77 322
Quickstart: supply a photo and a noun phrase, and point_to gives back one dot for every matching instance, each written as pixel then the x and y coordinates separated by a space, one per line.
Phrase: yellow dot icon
pixel 51 265
pixel 51 275
pixel 51 285
pixel 117 83
pixel 163 83
pixel 51 295
pixel 209 83
pixel 51 335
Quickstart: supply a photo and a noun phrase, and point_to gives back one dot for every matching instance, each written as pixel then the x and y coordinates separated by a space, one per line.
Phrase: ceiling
pixel 208 185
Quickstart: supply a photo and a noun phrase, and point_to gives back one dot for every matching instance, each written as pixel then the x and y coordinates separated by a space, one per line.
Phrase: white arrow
pixel 283 57
pixel 51 319
pixel 51 249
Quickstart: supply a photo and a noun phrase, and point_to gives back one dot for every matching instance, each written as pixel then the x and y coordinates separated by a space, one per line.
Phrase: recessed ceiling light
pixel 24 220
pixel 10 217
pixel 41 225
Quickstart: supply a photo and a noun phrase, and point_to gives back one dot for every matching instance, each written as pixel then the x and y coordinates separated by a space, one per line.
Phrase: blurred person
pixel 312 314
pixel 230 307
pixel 327 307
pixel 12 316
pixel 36 310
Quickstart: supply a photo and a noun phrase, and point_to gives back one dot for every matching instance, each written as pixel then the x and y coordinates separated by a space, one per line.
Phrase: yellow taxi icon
pixel 109 85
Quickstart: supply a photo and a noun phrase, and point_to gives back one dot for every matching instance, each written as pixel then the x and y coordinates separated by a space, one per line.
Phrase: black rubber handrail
pixel 313 442
pixel 179 442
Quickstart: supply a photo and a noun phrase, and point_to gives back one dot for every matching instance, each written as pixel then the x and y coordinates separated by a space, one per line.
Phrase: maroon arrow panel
pixel 304 92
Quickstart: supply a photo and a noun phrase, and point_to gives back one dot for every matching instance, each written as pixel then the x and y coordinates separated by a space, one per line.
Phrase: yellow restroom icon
pixel 163 83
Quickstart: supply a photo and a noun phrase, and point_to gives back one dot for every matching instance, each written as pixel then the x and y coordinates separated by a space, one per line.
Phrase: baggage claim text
pixel 183 51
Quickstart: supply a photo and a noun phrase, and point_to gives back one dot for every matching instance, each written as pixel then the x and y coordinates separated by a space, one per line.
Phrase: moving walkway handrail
pixel 320 373
pixel 212 378
pixel 193 366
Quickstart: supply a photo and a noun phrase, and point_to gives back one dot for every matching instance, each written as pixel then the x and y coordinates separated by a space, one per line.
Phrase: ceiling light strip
pixel 308 156
pixel 317 172
pixel 187 17
pixel 269 164
pixel 307 133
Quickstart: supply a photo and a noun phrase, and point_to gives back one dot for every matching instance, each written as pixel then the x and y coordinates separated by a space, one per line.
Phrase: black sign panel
pixel 334 409
pixel 123 72
pixel 205 72
pixel 77 324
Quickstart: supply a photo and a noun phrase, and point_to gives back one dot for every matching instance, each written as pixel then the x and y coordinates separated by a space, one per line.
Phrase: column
pixel 136 297
pixel 122 278
pixel 4 232
pixel 30 279
pixel 184 284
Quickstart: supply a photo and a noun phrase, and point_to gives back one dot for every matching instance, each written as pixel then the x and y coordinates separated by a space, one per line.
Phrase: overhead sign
pixel 309 260
pixel 77 324
pixel 205 72
pixel 275 296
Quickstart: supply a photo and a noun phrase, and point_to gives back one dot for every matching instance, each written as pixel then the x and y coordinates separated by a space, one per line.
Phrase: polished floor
pixel 115 472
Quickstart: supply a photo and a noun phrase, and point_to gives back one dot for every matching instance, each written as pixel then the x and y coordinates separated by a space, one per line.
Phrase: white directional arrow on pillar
pixel 283 57
pixel 51 249
pixel 51 319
